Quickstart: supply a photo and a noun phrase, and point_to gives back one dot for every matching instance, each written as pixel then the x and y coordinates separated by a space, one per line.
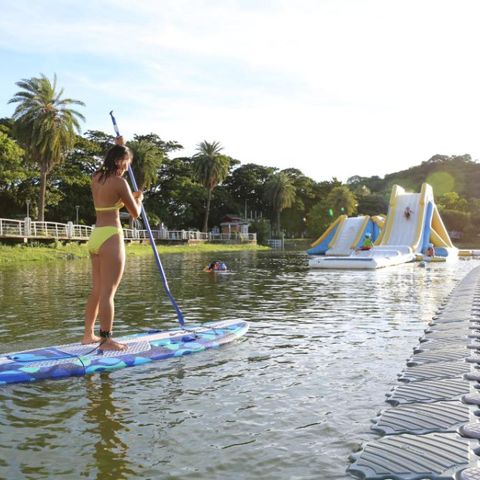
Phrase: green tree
pixel 342 201
pixel 280 193
pixel 456 220
pixel 452 201
pixel 6 126
pixel 12 170
pixel 246 185
pixel 147 158
pixel 373 204
pixel 474 208
pixel 318 219
pixel 293 218
pixel 165 146
pixel 261 226
pixel 12 173
pixel 45 126
pixel 339 201
pixel 177 199
pixel 211 168
pixel 249 177
pixel 103 142
pixel 373 184
pixel 71 181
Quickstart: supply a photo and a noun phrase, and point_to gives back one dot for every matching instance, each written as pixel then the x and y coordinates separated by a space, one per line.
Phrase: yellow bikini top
pixel 117 206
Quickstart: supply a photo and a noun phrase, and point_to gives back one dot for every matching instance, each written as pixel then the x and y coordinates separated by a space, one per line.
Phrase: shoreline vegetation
pixel 18 254
pixel 202 190
pixel 25 253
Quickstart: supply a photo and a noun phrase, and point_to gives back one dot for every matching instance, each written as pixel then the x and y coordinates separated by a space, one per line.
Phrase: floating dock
pixel 432 428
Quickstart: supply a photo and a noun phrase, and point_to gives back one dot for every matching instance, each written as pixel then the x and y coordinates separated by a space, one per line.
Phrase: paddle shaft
pixel 181 320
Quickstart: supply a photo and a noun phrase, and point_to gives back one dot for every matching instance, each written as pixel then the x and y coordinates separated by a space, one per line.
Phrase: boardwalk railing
pixel 68 231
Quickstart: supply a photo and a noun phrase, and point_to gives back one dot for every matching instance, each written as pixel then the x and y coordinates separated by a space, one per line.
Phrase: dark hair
pixel 110 167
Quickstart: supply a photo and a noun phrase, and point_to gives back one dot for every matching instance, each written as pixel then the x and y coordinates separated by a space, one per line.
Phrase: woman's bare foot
pixel 110 344
pixel 90 339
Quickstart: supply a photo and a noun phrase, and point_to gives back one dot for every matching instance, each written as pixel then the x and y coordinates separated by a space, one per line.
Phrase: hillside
pixel 457 173
pixel 455 181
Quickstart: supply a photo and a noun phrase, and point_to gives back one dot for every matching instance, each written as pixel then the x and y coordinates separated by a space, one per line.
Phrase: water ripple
pixel 289 401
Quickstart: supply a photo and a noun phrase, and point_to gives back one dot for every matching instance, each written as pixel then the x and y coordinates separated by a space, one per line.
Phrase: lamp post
pixel 28 207
pixel 77 207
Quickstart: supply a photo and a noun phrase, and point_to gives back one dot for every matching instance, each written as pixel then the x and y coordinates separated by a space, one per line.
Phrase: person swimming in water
pixel 430 251
pixel 216 266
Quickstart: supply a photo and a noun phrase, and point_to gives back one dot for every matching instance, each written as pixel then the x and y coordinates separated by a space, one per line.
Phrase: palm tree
pixel 342 201
pixel 45 126
pixel 147 158
pixel 211 168
pixel 280 193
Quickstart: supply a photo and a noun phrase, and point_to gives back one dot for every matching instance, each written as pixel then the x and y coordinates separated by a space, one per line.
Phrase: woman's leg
pixel 91 310
pixel 112 262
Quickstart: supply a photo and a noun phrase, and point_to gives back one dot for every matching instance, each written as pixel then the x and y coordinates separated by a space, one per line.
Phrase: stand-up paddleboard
pixel 76 359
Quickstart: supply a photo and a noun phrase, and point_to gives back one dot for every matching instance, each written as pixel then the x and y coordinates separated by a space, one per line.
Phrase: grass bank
pixel 17 254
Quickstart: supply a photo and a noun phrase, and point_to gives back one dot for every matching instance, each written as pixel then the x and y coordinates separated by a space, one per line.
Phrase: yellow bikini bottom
pixel 100 235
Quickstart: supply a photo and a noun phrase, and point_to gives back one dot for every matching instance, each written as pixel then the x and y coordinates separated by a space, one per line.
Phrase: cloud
pixel 333 87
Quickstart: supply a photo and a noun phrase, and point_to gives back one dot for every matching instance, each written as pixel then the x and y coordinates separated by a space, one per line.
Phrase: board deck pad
pixel 76 359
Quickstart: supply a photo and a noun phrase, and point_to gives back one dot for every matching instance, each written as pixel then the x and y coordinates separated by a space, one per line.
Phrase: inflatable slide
pixel 345 235
pixel 413 221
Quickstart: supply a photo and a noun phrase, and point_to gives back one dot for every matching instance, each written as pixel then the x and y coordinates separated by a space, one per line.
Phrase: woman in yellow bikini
pixel 110 193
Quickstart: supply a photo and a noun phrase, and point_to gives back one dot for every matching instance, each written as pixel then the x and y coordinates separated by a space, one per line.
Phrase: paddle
pixel 181 320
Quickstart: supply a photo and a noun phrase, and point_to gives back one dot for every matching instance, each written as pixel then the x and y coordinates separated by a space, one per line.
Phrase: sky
pixel 335 88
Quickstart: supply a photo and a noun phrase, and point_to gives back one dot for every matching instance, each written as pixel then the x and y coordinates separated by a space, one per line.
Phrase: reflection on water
pixel 106 422
pixel 291 400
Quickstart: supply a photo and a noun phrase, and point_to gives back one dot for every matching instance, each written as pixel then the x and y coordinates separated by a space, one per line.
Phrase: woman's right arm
pixel 131 200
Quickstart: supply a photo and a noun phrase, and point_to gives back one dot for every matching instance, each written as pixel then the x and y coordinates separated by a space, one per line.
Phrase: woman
pixel 110 193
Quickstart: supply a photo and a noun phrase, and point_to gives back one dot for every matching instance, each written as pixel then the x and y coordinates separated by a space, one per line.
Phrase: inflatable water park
pixel 412 230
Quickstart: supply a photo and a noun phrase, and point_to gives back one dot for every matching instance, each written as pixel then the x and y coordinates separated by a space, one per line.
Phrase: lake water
pixel 291 400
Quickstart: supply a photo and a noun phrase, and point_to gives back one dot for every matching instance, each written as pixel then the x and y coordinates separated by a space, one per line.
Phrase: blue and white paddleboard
pixel 76 359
